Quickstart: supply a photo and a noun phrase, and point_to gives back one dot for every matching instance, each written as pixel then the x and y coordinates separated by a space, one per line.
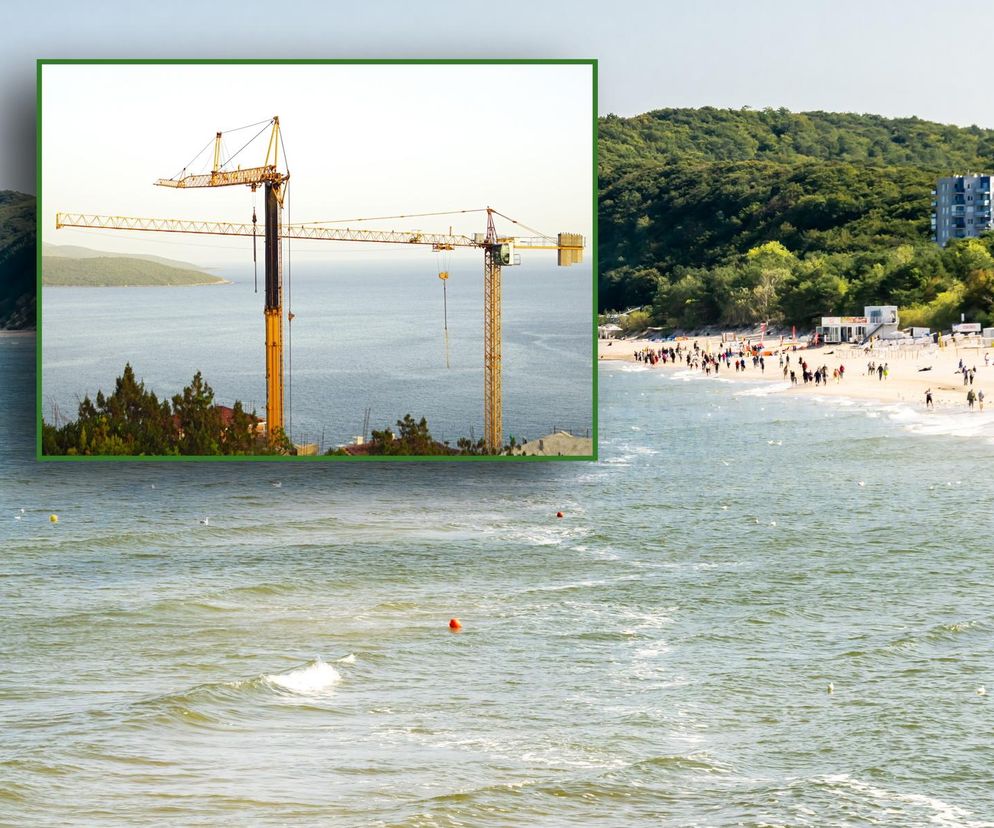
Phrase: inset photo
pixel 335 260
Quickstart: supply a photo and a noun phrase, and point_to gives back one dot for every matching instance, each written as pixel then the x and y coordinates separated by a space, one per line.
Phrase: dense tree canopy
pixel 710 134
pixel 17 260
pixel 132 420
pixel 692 200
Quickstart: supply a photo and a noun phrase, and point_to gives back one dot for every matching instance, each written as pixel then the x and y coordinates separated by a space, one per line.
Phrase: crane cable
pixel 406 215
pixel 289 295
pixel 443 260
pixel 520 224
pixel 255 261
pixel 289 318
pixel 210 143
pixel 192 160
pixel 231 158
pixel 445 313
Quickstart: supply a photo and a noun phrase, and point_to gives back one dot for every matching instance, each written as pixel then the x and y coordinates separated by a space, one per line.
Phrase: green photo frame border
pixel 40 456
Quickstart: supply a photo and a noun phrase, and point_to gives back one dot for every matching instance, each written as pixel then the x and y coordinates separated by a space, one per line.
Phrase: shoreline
pixel 191 284
pixel 905 382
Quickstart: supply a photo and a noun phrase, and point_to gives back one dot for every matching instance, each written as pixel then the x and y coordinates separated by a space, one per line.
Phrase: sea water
pixel 365 334
pixel 661 655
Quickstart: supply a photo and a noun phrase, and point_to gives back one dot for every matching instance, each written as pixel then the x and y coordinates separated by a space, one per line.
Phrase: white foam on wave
pixel 627 367
pixel 624 459
pixel 764 390
pixel 938 812
pixel 916 420
pixel 316 679
pixel 959 424
pixel 697 375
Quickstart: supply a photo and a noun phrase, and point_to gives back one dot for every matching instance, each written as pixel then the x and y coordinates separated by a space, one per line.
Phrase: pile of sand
pixel 560 444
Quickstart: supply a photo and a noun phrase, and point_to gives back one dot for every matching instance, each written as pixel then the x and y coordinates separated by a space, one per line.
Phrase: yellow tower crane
pixel 274 184
pixel 498 252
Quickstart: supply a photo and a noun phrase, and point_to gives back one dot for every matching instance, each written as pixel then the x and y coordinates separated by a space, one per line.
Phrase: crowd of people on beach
pixel 882 370
pixel 969 375
pixel 739 359
pixel 744 357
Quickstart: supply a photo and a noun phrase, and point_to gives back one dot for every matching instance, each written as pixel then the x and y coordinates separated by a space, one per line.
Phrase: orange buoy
pixel 559 514
pixel 455 624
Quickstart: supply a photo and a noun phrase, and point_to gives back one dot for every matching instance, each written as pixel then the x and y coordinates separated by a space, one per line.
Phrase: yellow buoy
pixel 53 518
pixel 443 274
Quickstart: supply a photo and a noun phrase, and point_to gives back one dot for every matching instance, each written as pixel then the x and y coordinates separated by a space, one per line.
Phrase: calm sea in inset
pixel 365 335
pixel 659 656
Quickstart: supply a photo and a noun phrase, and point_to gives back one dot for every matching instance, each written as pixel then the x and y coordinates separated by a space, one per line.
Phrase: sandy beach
pixel 912 369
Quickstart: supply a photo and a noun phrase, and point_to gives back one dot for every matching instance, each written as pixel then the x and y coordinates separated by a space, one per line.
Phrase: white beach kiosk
pixel 877 320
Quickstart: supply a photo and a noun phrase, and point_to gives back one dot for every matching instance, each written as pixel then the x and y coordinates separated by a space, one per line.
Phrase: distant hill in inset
pixel 17 260
pixel 74 251
pixel 119 271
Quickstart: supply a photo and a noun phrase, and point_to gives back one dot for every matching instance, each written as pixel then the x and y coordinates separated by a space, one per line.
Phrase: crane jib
pixel 499 251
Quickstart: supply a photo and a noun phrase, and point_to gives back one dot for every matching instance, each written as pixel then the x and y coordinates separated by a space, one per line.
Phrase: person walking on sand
pixel 980 398
pixel 928 399
pixel 970 399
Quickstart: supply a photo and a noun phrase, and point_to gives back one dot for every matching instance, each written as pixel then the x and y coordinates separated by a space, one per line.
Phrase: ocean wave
pixel 764 390
pixel 221 704
pixel 315 679
pixel 914 808
pixel 626 367
pixel 937 633
pixel 934 424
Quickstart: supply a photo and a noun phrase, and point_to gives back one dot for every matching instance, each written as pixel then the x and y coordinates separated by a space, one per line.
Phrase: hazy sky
pixel 894 57
pixel 361 141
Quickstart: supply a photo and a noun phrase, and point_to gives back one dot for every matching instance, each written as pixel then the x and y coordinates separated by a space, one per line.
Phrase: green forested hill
pixel 118 271
pixel 710 134
pixel 17 260
pixel 74 251
pixel 692 203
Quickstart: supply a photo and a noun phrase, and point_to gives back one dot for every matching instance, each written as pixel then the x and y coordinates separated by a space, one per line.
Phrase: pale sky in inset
pixel 890 57
pixel 361 140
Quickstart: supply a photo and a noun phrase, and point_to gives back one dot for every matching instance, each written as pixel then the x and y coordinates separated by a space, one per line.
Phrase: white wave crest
pixel 316 679
pixel 930 808
pixel 960 424
pixel 764 390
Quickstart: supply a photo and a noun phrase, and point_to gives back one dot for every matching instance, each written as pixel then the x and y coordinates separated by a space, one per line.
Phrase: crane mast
pixel 273 313
pixel 273 183
pixel 493 401
pixel 498 251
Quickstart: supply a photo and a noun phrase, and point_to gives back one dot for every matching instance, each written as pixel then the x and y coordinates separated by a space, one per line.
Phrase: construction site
pixel 254 157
